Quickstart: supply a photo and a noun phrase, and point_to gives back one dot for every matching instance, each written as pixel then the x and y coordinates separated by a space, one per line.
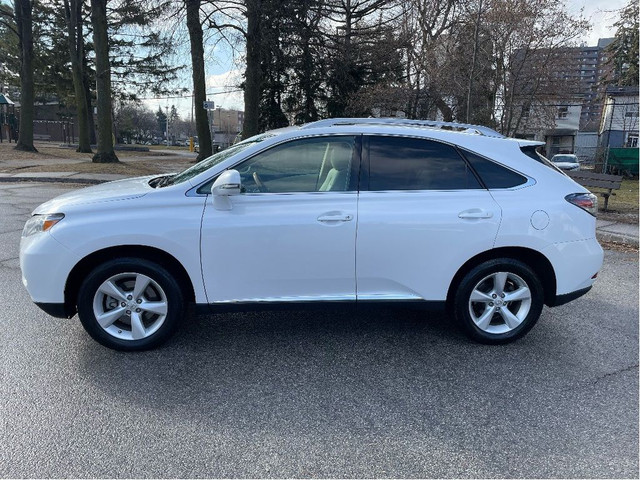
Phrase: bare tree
pixel 530 50
pixel 428 24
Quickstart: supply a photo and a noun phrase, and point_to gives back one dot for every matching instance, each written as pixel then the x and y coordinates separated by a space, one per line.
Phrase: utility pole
pixel 167 125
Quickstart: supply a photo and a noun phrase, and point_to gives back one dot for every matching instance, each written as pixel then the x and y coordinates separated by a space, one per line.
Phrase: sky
pixel 225 73
pixel 602 14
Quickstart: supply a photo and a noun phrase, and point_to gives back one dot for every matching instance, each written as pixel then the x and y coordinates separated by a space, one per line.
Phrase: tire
pixel 130 304
pixel 498 301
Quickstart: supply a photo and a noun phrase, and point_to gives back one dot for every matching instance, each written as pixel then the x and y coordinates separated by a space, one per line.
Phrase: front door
pixel 290 236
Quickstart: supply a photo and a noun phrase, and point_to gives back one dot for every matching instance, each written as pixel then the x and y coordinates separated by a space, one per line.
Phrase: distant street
pixel 383 393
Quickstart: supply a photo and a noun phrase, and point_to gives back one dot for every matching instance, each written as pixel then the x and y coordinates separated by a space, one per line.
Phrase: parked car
pixel 340 210
pixel 566 161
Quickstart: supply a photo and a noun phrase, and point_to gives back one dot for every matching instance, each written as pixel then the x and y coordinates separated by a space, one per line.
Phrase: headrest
pixel 341 154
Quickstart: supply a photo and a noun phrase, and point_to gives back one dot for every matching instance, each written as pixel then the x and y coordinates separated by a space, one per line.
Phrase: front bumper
pixel 58 310
pixel 45 265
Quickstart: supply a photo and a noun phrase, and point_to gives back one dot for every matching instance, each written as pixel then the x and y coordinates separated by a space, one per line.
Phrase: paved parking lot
pixel 383 393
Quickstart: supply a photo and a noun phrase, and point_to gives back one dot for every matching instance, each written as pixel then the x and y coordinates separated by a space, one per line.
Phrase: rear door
pixel 422 213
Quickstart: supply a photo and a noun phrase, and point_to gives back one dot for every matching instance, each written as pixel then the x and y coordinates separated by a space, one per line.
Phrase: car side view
pixel 441 214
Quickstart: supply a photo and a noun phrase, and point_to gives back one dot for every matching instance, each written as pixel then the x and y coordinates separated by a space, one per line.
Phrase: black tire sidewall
pixel 167 282
pixel 471 279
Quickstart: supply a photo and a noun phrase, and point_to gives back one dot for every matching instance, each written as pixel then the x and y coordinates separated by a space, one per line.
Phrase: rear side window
pixel 492 174
pixel 398 163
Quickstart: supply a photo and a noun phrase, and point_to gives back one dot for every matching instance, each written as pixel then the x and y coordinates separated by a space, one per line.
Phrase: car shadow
pixel 328 369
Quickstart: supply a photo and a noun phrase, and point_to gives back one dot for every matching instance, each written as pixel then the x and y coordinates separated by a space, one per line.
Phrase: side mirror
pixel 228 183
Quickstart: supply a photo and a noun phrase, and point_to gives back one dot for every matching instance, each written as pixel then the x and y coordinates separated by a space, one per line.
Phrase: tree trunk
pixel 86 83
pixel 75 42
pixel 253 73
pixel 24 22
pixel 474 60
pixel 199 85
pixel 105 153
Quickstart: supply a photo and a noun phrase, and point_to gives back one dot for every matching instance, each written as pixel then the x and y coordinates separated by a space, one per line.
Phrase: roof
pixel 404 122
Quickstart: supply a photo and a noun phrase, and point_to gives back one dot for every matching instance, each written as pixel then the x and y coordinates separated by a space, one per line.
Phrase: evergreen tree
pixel 358 51
pixel 624 49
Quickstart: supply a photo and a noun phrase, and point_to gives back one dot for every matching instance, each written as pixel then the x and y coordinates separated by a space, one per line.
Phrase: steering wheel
pixel 261 186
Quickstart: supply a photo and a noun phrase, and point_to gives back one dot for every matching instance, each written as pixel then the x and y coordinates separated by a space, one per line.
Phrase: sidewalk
pixel 606 230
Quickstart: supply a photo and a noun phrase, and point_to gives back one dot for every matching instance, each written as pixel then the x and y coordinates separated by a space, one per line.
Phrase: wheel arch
pixel 532 258
pixel 91 261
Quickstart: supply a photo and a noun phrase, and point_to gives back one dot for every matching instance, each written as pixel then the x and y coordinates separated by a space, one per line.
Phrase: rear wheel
pixel 499 301
pixel 130 304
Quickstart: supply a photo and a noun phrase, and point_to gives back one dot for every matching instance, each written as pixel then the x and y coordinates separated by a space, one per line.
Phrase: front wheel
pixel 498 301
pixel 130 304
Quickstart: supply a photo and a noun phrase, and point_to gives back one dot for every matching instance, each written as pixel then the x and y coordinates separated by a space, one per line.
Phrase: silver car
pixel 566 161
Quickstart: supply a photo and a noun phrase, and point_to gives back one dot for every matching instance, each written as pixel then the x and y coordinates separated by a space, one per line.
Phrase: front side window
pixel 398 163
pixel 320 164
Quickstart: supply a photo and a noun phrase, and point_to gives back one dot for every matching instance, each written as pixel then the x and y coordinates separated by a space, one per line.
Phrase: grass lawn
pixel 51 157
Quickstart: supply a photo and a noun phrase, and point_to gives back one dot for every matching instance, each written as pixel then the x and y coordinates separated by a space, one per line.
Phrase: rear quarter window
pixel 492 174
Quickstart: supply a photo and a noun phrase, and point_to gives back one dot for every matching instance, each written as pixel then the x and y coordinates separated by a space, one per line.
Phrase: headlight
pixel 41 223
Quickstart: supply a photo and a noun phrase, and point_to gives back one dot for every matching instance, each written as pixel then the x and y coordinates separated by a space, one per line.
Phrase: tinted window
pixel 306 165
pixel 492 174
pixel 398 163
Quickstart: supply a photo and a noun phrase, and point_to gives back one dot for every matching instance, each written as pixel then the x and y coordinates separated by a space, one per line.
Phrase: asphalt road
pixel 385 393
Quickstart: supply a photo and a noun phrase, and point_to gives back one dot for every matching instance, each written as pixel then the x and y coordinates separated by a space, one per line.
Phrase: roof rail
pixel 477 129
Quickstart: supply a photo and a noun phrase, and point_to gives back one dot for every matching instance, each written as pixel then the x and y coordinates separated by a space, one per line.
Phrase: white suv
pixel 341 210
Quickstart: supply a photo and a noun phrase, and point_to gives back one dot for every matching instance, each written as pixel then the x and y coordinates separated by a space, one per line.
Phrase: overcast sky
pixel 601 13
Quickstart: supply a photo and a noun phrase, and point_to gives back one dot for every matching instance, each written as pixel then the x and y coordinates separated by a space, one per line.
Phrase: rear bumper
pixel 575 265
pixel 568 297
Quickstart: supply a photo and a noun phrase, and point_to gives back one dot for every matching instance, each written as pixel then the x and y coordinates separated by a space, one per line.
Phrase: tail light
pixel 586 201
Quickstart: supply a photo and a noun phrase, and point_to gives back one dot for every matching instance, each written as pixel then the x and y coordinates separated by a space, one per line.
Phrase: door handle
pixel 475 213
pixel 335 218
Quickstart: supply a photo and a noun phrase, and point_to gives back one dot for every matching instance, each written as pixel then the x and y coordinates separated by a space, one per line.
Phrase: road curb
pixel 616 238
pixel 80 181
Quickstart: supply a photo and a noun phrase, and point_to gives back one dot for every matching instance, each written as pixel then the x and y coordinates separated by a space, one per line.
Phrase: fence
pixel 55 130
pixel 617 161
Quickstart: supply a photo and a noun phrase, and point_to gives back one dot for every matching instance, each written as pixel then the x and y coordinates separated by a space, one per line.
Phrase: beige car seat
pixel 338 177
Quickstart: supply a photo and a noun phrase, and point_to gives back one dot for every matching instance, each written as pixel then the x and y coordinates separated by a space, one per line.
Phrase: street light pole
pixel 167 126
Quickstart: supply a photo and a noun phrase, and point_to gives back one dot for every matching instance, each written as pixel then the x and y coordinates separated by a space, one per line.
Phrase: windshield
pixel 207 163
